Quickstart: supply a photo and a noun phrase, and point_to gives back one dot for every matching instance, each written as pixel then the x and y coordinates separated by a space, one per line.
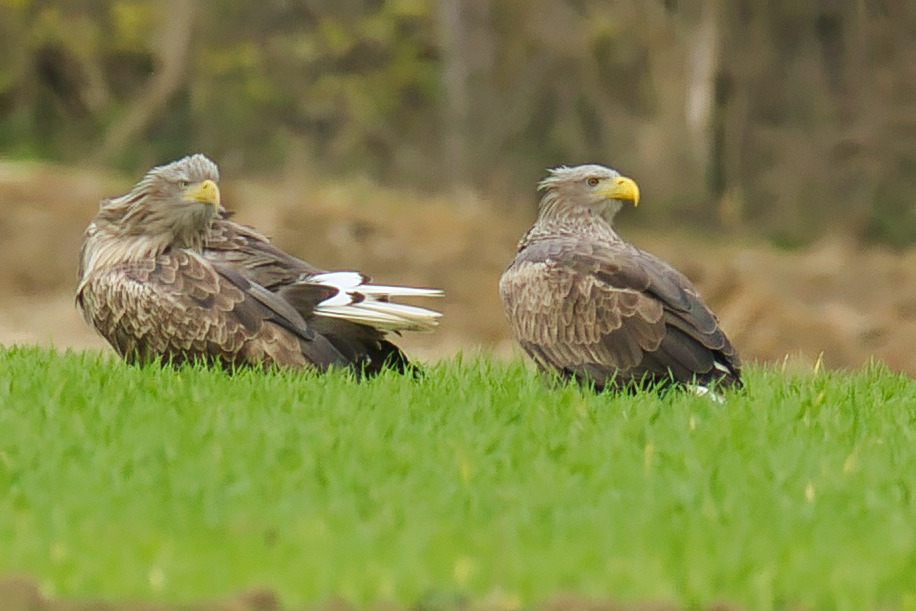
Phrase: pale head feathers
pixel 193 168
pixel 564 175
pixel 167 206
pixel 585 189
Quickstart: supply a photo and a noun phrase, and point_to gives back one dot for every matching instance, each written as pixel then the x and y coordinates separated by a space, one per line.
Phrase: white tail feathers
pixel 705 391
pixel 398 291
pixel 340 280
pixel 368 303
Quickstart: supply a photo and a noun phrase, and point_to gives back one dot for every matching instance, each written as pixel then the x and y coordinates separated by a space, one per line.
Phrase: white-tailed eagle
pixel 587 305
pixel 166 275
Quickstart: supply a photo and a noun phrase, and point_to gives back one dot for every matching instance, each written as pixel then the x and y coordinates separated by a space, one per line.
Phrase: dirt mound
pixel 847 302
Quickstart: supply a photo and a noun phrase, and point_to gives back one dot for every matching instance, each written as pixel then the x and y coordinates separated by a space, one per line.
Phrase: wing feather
pixel 614 314
pixel 179 306
pixel 353 315
pixel 252 253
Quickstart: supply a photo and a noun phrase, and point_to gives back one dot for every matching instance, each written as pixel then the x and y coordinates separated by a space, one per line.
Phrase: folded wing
pixel 615 315
pixel 179 306
pixel 354 314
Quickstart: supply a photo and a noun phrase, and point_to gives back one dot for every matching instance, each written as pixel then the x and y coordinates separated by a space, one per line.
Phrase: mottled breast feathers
pixel 610 314
pixel 178 306
pixel 166 276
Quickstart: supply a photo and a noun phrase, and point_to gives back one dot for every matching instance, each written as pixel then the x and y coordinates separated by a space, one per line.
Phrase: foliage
pixel 793 118
pixel 478 480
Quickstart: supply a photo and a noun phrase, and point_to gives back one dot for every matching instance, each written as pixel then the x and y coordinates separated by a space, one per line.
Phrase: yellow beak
pixel 205 192
pixel 622 188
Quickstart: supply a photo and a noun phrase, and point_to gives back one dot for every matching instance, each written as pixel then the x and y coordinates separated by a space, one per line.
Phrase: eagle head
pixel 173 203
pixel 595 188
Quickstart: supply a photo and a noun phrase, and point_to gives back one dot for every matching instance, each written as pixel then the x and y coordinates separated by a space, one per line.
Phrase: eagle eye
pixel 183 184
pixel 592 182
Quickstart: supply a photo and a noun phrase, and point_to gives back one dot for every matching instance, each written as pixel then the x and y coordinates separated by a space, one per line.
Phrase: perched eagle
pixel 587 305
pixel 165 275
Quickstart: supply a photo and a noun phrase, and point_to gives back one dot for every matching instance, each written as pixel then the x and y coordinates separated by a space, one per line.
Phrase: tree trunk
pixel 455 85
pixel 174 44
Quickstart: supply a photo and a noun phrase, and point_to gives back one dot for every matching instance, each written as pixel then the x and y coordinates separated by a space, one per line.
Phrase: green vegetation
pixel 788 119
pixel 477 481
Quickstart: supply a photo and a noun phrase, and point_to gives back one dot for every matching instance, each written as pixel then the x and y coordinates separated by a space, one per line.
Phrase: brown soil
pixel 847 302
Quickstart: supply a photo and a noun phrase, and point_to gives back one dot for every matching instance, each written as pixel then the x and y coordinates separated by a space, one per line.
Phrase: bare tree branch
pixel 174 44
pixel 454 77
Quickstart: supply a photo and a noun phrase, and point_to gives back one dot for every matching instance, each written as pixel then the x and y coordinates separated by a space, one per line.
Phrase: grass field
pixel 477 482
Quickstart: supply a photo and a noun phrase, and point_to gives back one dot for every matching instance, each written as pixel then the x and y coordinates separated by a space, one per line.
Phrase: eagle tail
pixel 368 304
pixel 382 291
pixel 383 315
pixel 705 391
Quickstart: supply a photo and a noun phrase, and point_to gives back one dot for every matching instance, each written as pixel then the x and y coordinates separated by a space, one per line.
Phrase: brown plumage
pixel 358 331
pixel 166 276
pixel 587 305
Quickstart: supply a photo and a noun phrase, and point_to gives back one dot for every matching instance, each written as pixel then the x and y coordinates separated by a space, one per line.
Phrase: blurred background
pixel 774 143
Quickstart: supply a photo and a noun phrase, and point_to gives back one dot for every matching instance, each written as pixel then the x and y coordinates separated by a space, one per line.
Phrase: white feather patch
pixel 705 391
pixel 342 280
pixel 369 304
pixel 721 367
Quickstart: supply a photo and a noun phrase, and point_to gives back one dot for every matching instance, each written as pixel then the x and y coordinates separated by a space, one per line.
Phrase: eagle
pixel 586 305
pixel 166 275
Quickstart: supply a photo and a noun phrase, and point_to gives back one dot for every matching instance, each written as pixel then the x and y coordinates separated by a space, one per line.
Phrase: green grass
pixel 477 481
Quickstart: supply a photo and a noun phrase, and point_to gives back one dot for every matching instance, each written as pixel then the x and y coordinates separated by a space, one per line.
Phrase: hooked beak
pixel 622 188
pixel 204 192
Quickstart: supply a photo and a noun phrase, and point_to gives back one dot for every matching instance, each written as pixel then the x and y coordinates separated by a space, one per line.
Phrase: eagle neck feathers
pixel 558 219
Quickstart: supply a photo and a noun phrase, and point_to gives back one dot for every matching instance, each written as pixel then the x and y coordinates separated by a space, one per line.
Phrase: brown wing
pixel 252 255
pixel 180 307
pixel 614 315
